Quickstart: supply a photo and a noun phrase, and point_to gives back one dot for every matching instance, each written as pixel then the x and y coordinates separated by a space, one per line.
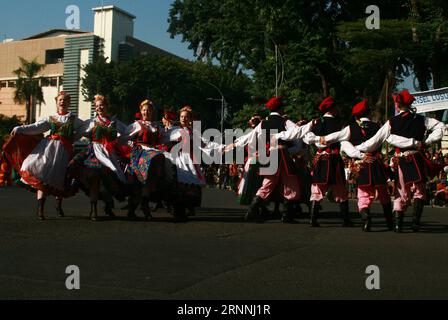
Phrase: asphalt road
pixel 214 256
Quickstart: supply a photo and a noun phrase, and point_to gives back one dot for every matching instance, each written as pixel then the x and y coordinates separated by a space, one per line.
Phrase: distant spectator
pixel 445 160
pixel 441 194
pixel 233 176
pixel 438 158
pixel 223 176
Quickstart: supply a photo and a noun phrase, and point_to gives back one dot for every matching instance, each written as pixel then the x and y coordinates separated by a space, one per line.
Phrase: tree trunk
pixel 436 76
pixel 379 114
pixel 435 63
pixel 422 74
pixel 31 109
pixel 414 17
pixel 421 67
pixel 324 83
pixel 27 111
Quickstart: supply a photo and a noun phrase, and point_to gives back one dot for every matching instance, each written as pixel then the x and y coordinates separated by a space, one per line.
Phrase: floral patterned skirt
pixel 147 165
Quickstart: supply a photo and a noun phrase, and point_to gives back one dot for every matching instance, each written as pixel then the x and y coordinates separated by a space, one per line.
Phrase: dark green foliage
pixel 324 47
pixel 27 85
pixel 166 81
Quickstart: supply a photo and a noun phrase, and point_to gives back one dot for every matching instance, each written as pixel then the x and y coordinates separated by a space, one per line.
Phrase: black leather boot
pixel 398 221
pixel 276 214
pixel 265 213
pixel 191 211
pixel 59 211
pixel 93 210
pixel 159 205
pixel 108 203
pixel 179 213
pixel 253 213
pixel 315 206
pixel 343 206
pixel 288 216
pixel 387 210
pixel 131 211
pixel 367 219
pixel 146 209
pixel 108 209
pixel 298 212
pixel 417 214
pixel 40 209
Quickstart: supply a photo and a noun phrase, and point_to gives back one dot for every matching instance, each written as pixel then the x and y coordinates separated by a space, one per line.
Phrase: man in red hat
pixel 328 171
pixel 370 171
pixel 411 166
pixel 284 184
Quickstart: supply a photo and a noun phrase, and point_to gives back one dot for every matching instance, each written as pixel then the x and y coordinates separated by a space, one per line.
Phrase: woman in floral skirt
pixel 147 161
pixel 102 164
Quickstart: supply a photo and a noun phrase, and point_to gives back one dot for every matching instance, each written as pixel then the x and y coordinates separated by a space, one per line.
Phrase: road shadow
pixel 225 215
pixel 433 228
pixel 221 210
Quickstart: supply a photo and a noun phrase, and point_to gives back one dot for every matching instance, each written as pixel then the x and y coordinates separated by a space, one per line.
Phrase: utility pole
pixel 223 104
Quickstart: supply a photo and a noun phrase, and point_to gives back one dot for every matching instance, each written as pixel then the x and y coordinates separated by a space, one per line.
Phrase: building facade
pixel 64 53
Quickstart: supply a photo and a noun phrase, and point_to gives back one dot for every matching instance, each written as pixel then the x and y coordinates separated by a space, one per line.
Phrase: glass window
pixel 45 82
pixel 11 84
pixel 3 84
pixel 54 56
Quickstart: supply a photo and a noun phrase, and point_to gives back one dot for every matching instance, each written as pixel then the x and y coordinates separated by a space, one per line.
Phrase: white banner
pixel 432 100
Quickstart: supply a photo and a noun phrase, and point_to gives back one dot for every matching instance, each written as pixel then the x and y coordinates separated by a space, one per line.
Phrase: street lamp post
pixel 279 78
pixel 223 104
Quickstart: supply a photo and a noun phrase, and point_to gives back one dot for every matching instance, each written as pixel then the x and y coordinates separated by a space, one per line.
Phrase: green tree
pixel 166 81
pixel 428 21
pixel 27 87
pixel 290 46
pixel 241 118
pixel 311 49
pixel 375 60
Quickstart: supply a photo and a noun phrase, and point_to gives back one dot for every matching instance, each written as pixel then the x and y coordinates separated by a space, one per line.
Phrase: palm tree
pixel 27 87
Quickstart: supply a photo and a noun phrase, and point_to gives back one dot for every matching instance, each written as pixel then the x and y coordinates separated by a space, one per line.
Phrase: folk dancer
pixel 147 161
pixel 328 171
pixel 284 184
pixel 102 164
pixel 190 178
pixel 370 172
pixel 42 162
pixel 412 167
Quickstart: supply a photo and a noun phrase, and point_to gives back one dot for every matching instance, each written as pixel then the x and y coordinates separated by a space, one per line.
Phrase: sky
pixel 22 18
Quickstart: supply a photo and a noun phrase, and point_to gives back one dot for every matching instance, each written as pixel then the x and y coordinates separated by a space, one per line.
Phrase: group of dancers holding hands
pixel 136 162
pixel 121 161
pixel 409 133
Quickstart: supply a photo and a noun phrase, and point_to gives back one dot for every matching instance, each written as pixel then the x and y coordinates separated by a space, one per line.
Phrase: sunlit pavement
pixel 216 255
